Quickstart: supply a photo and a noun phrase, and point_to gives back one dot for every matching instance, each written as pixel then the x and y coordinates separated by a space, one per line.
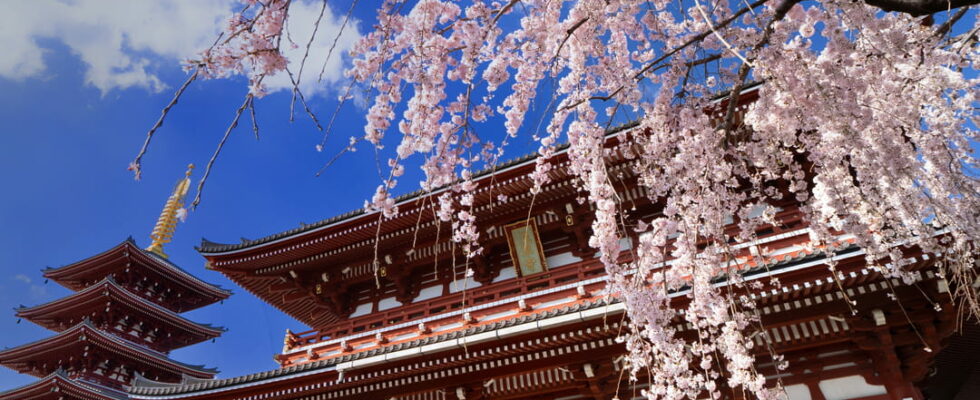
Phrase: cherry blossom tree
pixel 866 115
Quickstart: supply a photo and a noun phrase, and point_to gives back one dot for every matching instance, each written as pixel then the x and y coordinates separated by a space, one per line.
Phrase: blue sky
pixel 75 104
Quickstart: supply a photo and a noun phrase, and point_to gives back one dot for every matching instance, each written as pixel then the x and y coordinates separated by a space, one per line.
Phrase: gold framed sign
pixel 525 248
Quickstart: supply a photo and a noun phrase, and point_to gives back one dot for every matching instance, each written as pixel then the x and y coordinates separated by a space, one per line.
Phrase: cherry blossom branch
pixel 340 105
pixel 743 70
pixel 718 35
pixel 655 64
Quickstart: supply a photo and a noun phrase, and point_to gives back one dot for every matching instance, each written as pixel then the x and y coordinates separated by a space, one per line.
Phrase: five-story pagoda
pixel 120 324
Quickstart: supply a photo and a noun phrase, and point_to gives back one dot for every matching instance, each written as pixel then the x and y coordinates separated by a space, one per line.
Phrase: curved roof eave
pixel 165 312
pixel 209 248
pixel 125 344
pixel 203 287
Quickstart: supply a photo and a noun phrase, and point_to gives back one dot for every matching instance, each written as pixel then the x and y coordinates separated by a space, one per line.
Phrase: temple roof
pixel 20 357
pixel 208 247
pixel 95 297
pixel 127 254
pixel 346 243
pixel 58 385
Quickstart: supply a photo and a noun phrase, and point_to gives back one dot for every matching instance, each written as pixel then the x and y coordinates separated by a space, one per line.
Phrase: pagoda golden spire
pixel 167 223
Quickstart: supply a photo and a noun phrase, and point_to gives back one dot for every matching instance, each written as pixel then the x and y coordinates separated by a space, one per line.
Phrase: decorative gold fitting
pixel 166 224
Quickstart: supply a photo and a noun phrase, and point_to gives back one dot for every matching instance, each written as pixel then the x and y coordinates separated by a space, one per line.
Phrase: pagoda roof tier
pixel 129 263
pixel 96 299
pixel 44 356
pixel 59 386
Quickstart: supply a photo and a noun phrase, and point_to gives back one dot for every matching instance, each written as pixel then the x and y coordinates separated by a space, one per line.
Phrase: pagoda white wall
pixel 427 293
pixel 849 387
pixel 797 392
pixel 362 309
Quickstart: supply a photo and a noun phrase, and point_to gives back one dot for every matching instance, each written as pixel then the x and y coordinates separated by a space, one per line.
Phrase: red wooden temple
pixel 395 316
pixel 119 325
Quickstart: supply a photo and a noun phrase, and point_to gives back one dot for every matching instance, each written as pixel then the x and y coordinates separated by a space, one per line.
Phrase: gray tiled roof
pixel 155 390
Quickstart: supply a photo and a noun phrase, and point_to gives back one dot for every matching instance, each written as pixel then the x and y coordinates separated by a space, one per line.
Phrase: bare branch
pixel 343 25
pixel 306 53
pixel 207 169
pixel 946 26
pixel 255 122
pixel 302 99
pixel 137 163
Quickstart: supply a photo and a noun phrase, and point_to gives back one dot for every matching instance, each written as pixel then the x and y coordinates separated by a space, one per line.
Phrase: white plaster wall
pixel 797 392
pixel 461 284
pixel 430 292
pixel 388 303
pixel 555 261
pixel 362 309
pixel 849 387
pixel 505 274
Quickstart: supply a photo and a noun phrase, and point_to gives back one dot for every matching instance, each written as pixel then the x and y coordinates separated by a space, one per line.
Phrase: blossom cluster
pixel 249 45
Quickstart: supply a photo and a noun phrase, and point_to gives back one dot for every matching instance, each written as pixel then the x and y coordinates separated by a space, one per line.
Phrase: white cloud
pixel 302 16
pixel 37 291
pixel 121 42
